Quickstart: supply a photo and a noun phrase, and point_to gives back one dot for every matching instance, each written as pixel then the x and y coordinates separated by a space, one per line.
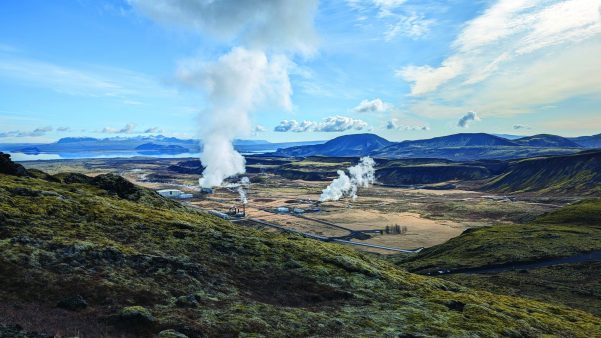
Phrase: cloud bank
pixel 506 30
pixel 263 25
pixel 33 133
pixel 329 124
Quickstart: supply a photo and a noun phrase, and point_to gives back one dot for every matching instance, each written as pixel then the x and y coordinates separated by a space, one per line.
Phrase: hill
pixel 79 259
pixel 516 255
pixel 578 173
pixel 471 153
pixel 347 145
pixel 467 147
pixel 428 171
pixel 459 140
pixel 458 147
pixel 546 141
pixel 593 141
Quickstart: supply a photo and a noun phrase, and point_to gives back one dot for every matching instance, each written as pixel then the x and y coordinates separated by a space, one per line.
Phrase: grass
pixel 575 285
pixel 570 230
pixel 200 275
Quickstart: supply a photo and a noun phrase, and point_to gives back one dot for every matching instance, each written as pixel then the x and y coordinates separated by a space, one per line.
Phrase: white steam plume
pixel 244 78
pixel 361 176
pixel 244 184
pixel 235 85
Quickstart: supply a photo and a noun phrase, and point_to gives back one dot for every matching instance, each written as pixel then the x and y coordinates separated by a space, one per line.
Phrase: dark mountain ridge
pixel 347 145
pixel 547 141
pixel 578 173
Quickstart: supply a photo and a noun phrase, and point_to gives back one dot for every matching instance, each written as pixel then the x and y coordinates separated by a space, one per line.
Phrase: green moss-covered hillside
pixel 577 174
pixel 568 231
pixel 571 230
pixel 89 258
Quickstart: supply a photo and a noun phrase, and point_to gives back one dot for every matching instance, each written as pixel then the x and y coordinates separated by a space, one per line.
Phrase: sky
pixel 402 69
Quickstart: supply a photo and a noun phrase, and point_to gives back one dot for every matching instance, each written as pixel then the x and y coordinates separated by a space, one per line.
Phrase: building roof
pixel 168 190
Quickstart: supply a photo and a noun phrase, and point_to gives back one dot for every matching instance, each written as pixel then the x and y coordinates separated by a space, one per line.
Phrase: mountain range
pixel 456 147
pixel 459 147
pixel 145 145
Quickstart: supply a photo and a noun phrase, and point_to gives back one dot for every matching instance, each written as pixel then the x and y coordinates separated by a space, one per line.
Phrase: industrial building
pixel 174 193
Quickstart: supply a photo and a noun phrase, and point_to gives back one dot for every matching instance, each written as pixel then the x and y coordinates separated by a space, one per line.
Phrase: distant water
pixel 20 157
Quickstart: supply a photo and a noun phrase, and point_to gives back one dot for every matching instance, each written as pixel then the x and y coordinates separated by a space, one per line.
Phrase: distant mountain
pixel 75 139
pixel 546 141
pixel 457 147
pixel 588 141
pixel 153 148
pixel 249 142
pixel 457 140
pixel 578 173
pixel 467 147
pixel 509 136
pixel 145 145
pixel 347 145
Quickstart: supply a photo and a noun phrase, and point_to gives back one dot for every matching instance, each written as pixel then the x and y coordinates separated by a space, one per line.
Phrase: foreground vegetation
pixel 103 257
pixel 569 231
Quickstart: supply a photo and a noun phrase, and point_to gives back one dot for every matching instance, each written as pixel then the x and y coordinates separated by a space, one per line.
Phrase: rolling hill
pixel 347 145
pixel 512 251
pixel 593 141
pixel 547 141
pixel 92 257
pixel 457 147
pixel 578 173
pixel 457 140
pixel 467 147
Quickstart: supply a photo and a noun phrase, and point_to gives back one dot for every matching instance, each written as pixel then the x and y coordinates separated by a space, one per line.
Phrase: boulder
pixel 8 167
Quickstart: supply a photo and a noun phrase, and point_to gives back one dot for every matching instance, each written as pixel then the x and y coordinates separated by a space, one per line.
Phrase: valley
pixel 117 259
pixel 430 211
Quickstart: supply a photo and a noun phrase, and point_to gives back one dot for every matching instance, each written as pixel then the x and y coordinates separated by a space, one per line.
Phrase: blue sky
pixel 400 68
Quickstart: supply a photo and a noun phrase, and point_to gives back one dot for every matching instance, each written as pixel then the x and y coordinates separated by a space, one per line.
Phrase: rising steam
pixel 253 73
pixel 242 188
pixel 361 175
pixel 235 85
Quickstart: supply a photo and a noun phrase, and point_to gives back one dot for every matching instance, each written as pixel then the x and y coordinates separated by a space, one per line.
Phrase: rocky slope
pixel 93 257
pixel 575 174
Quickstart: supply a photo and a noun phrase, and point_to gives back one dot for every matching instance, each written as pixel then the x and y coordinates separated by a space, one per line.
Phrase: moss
pixel 118 253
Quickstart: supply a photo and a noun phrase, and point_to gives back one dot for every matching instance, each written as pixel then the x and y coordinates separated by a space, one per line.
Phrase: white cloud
pixel 280 24
pixel 464 121
pixel 507 30
pixel 340 123
pixel 398 20
pixel 294 126
pixel 153 130
pixel 521 127
pixel 396 124
pixel 41 131
pixel 92 81
pixel 411 25
pixel 329 124
pixel 260 129
pixel 127 129
pixel 372 106
pixel 426 79
pixel 63 129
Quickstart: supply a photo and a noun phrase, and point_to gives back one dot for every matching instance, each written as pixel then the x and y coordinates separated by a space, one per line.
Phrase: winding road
pixel 513 266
